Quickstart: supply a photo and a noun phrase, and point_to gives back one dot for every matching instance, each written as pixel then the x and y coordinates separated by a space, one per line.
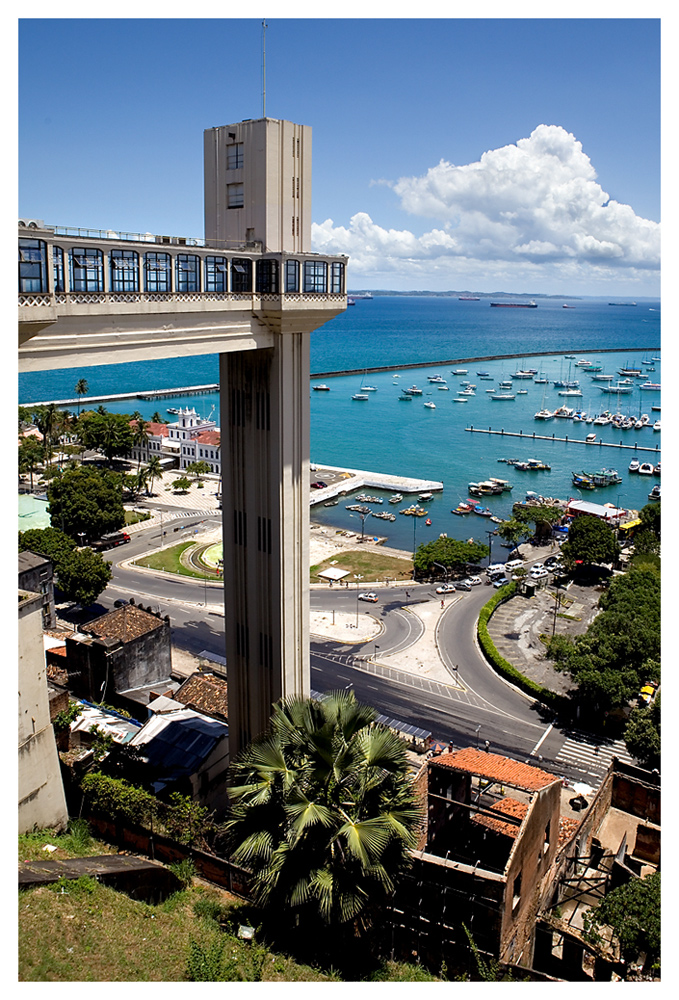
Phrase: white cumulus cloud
pixel 533 210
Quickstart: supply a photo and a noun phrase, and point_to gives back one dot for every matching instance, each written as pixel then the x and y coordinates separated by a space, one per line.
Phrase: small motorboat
pixel 360 395
pixel 321 388
pixel 646 469
pixel 634 465
pixel 428 521
pixel 430 405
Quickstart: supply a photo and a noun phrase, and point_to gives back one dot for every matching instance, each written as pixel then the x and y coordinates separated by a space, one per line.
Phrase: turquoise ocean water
pixel 390 436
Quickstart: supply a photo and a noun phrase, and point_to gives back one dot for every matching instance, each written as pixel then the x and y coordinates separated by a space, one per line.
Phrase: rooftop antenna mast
pixel 264 27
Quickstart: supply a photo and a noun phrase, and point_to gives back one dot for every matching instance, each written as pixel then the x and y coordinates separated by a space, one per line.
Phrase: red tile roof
pixel 508 806
pixel 209 437
pixel 496 768
pixel 567 827
pixel 159 430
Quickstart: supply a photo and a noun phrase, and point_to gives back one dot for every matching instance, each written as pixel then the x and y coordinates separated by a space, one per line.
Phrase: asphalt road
pixel 482 708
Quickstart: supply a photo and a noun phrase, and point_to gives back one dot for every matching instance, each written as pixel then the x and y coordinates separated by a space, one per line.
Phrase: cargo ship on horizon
pixel 515 305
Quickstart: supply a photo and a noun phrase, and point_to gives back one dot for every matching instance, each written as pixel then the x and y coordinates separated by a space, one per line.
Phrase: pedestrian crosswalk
pixel 591 757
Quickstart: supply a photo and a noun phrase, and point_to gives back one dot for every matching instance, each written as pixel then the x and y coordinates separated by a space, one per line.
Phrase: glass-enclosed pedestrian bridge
pixel 84 293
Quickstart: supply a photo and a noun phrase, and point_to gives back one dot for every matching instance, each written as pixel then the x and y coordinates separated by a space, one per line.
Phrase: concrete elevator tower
pixel 258 194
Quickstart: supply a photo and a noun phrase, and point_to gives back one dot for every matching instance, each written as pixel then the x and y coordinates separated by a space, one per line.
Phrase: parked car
pixel 464 585
pixel 539 574
pixel 537 566
pixel 120 603
pixel 500 582
pixel 550 560
pixel 475 580
pixel 318 486
pixel 446 588
pixel 368 597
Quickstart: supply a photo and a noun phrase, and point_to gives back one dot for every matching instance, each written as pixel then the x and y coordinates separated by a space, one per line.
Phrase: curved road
pixel 480 707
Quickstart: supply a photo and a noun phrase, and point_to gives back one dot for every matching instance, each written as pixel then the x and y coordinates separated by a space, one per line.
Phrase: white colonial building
pixel 189 439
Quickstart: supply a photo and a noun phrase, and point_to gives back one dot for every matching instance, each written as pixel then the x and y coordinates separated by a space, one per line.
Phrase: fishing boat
pixel 532 465
pixel 321 388
pixel 462 508
pixel 506 487
pixel 604 477
pixel 582 482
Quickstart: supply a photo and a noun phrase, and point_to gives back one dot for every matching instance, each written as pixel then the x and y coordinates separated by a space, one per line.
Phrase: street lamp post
pixel 490 544
pixel 375 652
pixel 358 580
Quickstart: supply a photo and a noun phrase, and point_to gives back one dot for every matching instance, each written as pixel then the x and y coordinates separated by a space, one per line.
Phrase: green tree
pixel 81 389
pixel 590 541
pixel 650 518
pixel 633 912
pixel 83 576
pixel 323 814
pixel 448 552
pixel 642 734
pixel 181 485
pixel 154 470
pixel 157 419
pixel 49 542
pixel 109 433
pixel 542 516
pixel 31 455
pixel 197 470
pixel 86 501
pixel 139 433
pixel 514 531
pixel 48 420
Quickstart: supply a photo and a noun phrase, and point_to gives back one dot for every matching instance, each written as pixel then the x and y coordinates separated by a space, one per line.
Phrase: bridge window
pixel 234 156
pixel 188 274
pixel 87 269
pixel 315 276
pixel 32 266
pixel 234 195
pixel 58 266
pixel 292 275
pixel 337 277
pixel 267 276
pixel 157 272
pixel 216 271
pixel 241 274
pixel 124 271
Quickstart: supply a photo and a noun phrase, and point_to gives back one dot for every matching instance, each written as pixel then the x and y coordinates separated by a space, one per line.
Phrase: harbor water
pixel 388 435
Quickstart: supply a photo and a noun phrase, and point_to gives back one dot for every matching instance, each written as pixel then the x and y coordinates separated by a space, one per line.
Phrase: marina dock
pixel 146 394
pixel 354 479
pixel 568 440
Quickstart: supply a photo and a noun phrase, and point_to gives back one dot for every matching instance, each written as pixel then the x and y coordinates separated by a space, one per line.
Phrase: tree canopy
pixel 80 575
pixel 633 912
pixel 590 541
pixel 86 501
pixel 621 648
pixel 323 813
pixel 110 433
pixel 448 552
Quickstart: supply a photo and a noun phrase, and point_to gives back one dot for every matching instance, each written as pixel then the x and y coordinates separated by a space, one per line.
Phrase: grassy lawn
pixel 169 560
pixel 82 931
pixel 372 566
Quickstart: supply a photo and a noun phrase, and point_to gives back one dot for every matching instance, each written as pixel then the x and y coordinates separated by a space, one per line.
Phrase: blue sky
pixel 484 154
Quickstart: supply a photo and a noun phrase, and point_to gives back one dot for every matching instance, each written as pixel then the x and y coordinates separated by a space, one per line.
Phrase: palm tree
pixel 323 814
pixel 81 389
pixel 139 435
pixel 47 420
pixel 154 469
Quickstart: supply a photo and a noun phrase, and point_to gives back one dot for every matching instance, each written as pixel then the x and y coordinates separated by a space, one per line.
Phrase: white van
pixel 513 564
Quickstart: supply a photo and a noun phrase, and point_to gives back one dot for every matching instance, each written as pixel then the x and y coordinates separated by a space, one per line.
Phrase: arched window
pixel 315 276
pixel 216 273
pixel 32 266
pixel 124 271
pixel 87 269
pixel 157 275
pixel 267 276
pixel 241 275
pixel 187 278
pixel 292 275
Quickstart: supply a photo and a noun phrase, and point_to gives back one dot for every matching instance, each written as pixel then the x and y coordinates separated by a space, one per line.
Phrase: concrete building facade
pixel 42 802
pixel 95 297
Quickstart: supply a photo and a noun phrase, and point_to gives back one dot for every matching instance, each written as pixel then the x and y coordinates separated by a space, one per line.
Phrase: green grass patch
pixel 169 560
pixel 133 517
pixel 372 566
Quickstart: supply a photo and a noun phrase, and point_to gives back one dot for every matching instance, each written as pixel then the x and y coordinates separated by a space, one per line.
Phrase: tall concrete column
pixel 264 402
